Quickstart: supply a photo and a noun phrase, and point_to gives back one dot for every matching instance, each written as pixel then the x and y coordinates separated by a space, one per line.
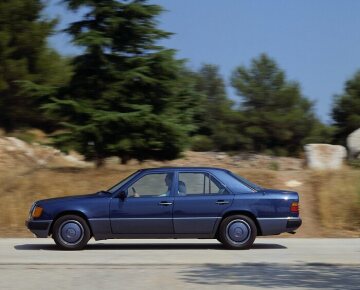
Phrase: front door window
pixel 152 185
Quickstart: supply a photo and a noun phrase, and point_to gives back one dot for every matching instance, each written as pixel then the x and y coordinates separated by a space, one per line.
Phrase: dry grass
pixel 18 192
pixel 337 193
pixel 338 197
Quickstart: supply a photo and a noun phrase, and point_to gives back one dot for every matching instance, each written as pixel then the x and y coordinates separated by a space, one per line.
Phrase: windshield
pixel 247 182
pixel 121 183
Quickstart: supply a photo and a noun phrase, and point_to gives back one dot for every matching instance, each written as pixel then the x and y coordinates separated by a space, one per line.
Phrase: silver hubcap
pixel 238 231
pixel 71 232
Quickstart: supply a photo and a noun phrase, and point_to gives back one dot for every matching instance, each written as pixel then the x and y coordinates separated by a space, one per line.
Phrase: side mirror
pixel 122 195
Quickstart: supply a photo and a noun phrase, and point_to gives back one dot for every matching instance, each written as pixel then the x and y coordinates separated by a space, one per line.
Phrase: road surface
pixel 181 264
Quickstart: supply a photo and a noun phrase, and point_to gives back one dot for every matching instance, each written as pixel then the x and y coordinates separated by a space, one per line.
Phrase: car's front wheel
pixel 237 232
pixel 71 232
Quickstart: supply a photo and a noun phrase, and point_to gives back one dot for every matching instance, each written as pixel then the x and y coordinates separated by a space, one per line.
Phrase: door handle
pixel 221 202
pixel 165 203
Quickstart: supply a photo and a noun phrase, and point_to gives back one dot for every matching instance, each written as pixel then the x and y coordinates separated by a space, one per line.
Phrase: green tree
pixel 274 114
pixel 187 102
pixel 346 109
pixel 320 133
pixel 25 59
pixel 123 98
pixel 214 115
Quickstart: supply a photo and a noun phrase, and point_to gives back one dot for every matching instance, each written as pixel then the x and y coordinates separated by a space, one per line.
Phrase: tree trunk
pixel 99 162
pixel 124 159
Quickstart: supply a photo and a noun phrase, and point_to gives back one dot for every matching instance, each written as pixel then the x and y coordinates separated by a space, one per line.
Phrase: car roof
pixel 174 168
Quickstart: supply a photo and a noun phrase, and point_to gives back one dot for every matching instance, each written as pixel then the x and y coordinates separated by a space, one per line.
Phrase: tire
pixel 237 232
pixel 71 232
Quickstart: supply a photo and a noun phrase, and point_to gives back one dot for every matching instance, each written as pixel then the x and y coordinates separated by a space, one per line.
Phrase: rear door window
pixel 199 183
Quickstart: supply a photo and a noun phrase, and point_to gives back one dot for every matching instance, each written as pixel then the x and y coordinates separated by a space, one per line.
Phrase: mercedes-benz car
pixel 173 202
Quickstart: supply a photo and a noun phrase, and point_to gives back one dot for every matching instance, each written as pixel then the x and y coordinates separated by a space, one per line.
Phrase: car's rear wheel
pixel 71 232
pixel 237 232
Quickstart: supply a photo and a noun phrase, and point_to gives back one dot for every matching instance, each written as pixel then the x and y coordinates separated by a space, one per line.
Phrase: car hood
pixel 68 198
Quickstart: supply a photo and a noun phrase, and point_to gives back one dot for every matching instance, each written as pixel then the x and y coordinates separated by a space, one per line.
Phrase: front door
pixel 147 209
pixel 199 203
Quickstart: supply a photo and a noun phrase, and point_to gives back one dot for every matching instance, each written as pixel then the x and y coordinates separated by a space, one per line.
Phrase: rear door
pixel 200 200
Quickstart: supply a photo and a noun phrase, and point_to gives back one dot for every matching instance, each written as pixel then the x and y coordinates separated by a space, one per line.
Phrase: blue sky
pixel 317 43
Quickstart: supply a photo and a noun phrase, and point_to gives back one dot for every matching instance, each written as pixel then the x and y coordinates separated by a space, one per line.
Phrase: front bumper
pixel 40 228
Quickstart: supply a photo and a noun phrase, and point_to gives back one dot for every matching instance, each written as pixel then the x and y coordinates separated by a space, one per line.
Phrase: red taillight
pixel 294 207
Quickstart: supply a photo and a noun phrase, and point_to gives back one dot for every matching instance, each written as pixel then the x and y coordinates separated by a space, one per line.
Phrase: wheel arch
pixel 70 212
pixel 240 212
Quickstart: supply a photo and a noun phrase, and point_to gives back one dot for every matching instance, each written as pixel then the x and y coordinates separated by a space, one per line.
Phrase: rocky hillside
pixel 18 155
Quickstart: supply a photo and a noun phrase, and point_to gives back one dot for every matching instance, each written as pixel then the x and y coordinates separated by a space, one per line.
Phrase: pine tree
pixel 275 116
pixel 118 102
pixel 346 109
pixel 25 58
pixel 215 118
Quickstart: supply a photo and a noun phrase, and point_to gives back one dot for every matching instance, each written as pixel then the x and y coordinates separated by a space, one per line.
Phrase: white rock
pixel 21 146
pixel 10 148
pixel 293 183
pixel 220 156
pixel 353 144
pixel 75 161
pixel 324 156
pixel 17 142
pixel 41 162
pixel 113 160
pixel 17 153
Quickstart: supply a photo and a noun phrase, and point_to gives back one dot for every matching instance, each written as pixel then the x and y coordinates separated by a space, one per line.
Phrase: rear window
pixel 247 182
pixel 235 185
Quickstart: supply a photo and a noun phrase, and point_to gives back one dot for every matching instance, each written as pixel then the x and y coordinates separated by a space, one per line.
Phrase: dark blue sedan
pixel 176 202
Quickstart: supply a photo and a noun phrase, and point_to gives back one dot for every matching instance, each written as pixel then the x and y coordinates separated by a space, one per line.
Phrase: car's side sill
pixel 154 236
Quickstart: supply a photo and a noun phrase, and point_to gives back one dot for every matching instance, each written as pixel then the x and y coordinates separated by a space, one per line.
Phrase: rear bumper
pixel 40 228
pixel 293 223
pixel 275 226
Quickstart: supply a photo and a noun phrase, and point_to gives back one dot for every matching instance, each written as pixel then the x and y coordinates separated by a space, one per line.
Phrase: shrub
pixel 201 143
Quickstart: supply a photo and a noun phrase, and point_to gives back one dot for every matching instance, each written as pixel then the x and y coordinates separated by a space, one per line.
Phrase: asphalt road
pixel 181 264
